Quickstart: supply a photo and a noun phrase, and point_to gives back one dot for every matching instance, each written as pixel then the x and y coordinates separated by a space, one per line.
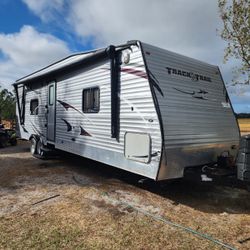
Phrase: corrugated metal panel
pixel 36 124
pixel 182 114
pixel 192 111
pixel 137 112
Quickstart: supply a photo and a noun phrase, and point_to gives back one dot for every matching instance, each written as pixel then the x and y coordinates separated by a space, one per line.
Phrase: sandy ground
pixel 96 207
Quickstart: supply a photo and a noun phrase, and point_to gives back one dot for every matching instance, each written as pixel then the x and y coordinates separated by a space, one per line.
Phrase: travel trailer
pixel 133 106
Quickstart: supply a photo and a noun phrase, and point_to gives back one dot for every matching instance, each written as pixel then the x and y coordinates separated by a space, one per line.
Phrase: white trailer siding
pixel 195 113
pixel 137 111
pixel 34 124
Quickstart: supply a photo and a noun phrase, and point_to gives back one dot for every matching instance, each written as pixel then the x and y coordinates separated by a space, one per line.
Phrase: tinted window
pixel 91 100
pixel 34 107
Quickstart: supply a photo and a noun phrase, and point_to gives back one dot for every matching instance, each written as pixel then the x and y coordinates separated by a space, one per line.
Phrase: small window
pixel 91 100
pixel 51 95
pixel 34 107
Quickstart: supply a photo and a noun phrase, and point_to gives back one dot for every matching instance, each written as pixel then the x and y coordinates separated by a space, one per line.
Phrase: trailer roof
pixel 76 61
pixel 72 62
pixel 74 58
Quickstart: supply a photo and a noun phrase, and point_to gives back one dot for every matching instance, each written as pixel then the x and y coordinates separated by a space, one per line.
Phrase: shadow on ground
pixel 206 197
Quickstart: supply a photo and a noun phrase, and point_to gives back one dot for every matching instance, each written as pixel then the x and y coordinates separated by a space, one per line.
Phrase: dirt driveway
pixel 94 206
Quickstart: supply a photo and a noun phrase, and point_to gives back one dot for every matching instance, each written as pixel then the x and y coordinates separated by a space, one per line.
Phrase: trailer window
pixel 34 107
pixel 91 100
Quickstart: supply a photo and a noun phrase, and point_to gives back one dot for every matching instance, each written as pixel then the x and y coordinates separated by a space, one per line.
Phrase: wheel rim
pixel 33 146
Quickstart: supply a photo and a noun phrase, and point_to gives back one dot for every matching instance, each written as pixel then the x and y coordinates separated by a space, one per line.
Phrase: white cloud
pixel 45 8
pixel 240 97
pixel 26 51
pixel 186 27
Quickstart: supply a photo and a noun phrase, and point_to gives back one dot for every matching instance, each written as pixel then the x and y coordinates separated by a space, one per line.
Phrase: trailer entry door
pixel 51 104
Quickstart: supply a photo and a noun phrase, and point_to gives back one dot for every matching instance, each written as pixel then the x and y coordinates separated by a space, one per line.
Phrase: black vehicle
pixel 7 136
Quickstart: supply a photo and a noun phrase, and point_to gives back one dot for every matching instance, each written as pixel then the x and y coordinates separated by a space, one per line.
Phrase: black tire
pixel 13 142
pixel 3 141
pixel 39 147
pixel 40 152
pixel 33 146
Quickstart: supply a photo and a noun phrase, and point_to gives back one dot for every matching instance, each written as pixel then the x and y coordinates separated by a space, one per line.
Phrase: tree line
pixel 7 105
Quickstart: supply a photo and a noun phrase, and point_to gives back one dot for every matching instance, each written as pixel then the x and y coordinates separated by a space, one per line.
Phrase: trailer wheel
pixel 13 142
pixel 39 147
pixel 33 147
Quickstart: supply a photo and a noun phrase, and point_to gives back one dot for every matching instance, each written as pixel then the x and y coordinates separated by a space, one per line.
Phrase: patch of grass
pixel 29 232
pixel 80 228
pixel 84 218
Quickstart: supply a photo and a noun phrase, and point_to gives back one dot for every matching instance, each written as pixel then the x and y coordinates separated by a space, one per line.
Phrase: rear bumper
pixel 175 160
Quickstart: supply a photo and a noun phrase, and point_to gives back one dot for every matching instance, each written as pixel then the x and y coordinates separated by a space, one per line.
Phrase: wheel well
pixel 36 137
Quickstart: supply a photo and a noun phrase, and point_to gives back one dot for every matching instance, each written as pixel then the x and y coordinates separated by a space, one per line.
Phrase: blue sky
pixel 34 33
pixel 14 14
